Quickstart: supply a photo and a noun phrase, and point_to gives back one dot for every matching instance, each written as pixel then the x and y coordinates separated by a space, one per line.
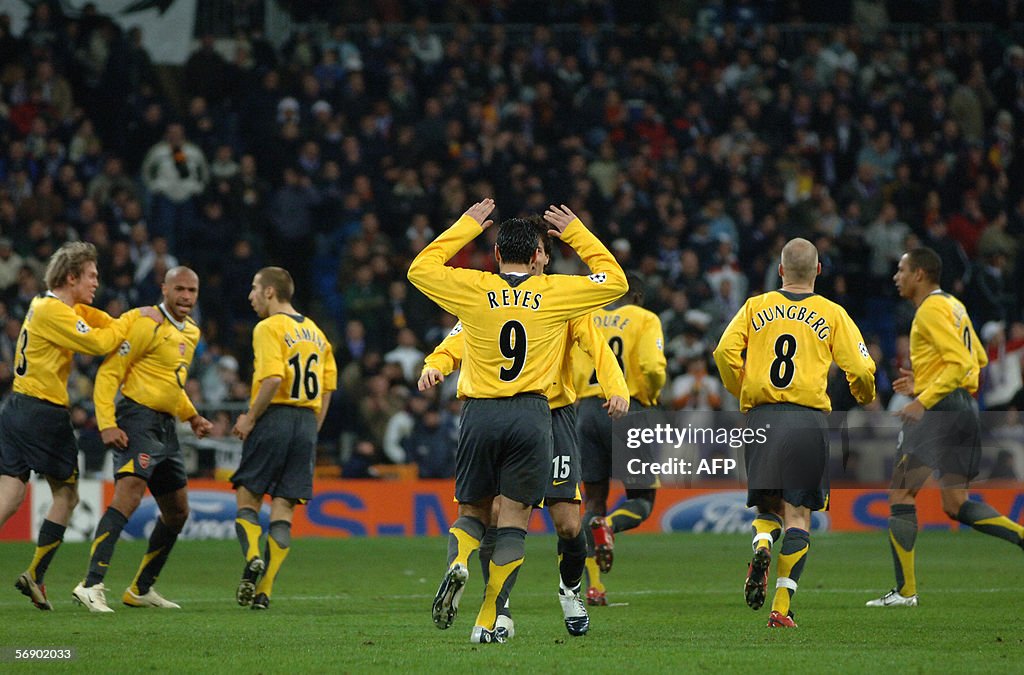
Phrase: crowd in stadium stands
pixel 694 146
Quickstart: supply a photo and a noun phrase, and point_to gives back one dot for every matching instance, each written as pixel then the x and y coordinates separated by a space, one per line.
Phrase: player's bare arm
pixel 321 415
pixel 904 384
pixel 480 211
pixel 913 411
pixel 430 377
pixel 247 420
pixel 201 426
pixel 114 437
pixel 559 218
pixel 617 407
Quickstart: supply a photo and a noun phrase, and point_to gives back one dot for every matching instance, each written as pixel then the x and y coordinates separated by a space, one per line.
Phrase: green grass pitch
pixel 363 604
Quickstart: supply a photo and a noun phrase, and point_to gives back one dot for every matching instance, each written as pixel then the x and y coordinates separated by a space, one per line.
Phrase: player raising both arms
pixel 150 367
pixel 514 331
pixel 635 337
pixel 941 432
pixel 293 376
pixel 562 497
pixel 790 336
pixel 35 425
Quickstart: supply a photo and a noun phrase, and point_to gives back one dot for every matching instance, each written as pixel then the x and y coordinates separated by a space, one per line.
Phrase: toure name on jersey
pixel 513 297
pixel 611 321
pixel 791 313
pixel 297 335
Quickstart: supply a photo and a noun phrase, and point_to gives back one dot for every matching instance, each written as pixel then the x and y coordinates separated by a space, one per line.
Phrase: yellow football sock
pixel 791 564
pixel 248 532
pixel 594 574
pixel 275 557
pixel 767 529
pixel 465 545
pixel 500 575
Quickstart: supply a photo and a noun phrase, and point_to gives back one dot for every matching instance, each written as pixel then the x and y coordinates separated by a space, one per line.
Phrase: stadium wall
pixel 360 508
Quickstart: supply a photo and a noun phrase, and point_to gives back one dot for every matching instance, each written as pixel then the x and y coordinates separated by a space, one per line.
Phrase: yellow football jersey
pixel 514 325
pixel 152 362
pixel 945 352
pixel 293 348
pixel 635 337
pixel 51 335
pixel 582 336
pixel 790 341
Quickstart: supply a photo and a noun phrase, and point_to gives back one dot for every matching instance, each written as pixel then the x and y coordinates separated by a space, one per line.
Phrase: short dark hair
pixel 280 280
pixel 926 260
pixel 635 293
pixel 542 232
pixel 517 241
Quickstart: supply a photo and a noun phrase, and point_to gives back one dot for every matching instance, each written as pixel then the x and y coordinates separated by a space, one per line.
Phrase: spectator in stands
pixel 667 143
pixel 206 72
pixel 989 296
pixel 291 228
pixel 111 180
pixel 885 237
pixel 218 380
pixel 10 264
pixel 399 430
pixel 407 355
pixel 175 172
pixel 696 389
pixel 966 225
pixel 1004 467
pixel 1004 381
pixel 432 444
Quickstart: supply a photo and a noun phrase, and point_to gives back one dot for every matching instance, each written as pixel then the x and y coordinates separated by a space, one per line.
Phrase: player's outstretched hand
pixel 430 377
pixel 617 407
pixel 114 438
pixel 201 426
pixel 905 383
pixel 151 312
pixel 480 211
pixel 558 217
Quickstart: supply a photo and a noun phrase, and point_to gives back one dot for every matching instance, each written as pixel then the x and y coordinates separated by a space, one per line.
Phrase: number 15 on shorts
pixel 561 467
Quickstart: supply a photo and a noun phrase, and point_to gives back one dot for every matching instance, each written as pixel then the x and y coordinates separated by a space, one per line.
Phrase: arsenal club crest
pixel 144 460
pixel 181 348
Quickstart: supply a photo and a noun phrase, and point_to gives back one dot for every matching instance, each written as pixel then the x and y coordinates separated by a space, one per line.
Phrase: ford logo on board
pixel 723 512
pixel 212 516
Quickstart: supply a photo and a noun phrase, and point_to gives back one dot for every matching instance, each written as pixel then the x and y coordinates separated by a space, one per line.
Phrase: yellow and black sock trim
pixel 795 547
pixel 51 535
pixel 902 537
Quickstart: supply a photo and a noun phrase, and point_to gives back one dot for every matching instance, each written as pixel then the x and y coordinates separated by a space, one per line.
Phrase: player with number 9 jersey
pixel 514 328
pixel 514 325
